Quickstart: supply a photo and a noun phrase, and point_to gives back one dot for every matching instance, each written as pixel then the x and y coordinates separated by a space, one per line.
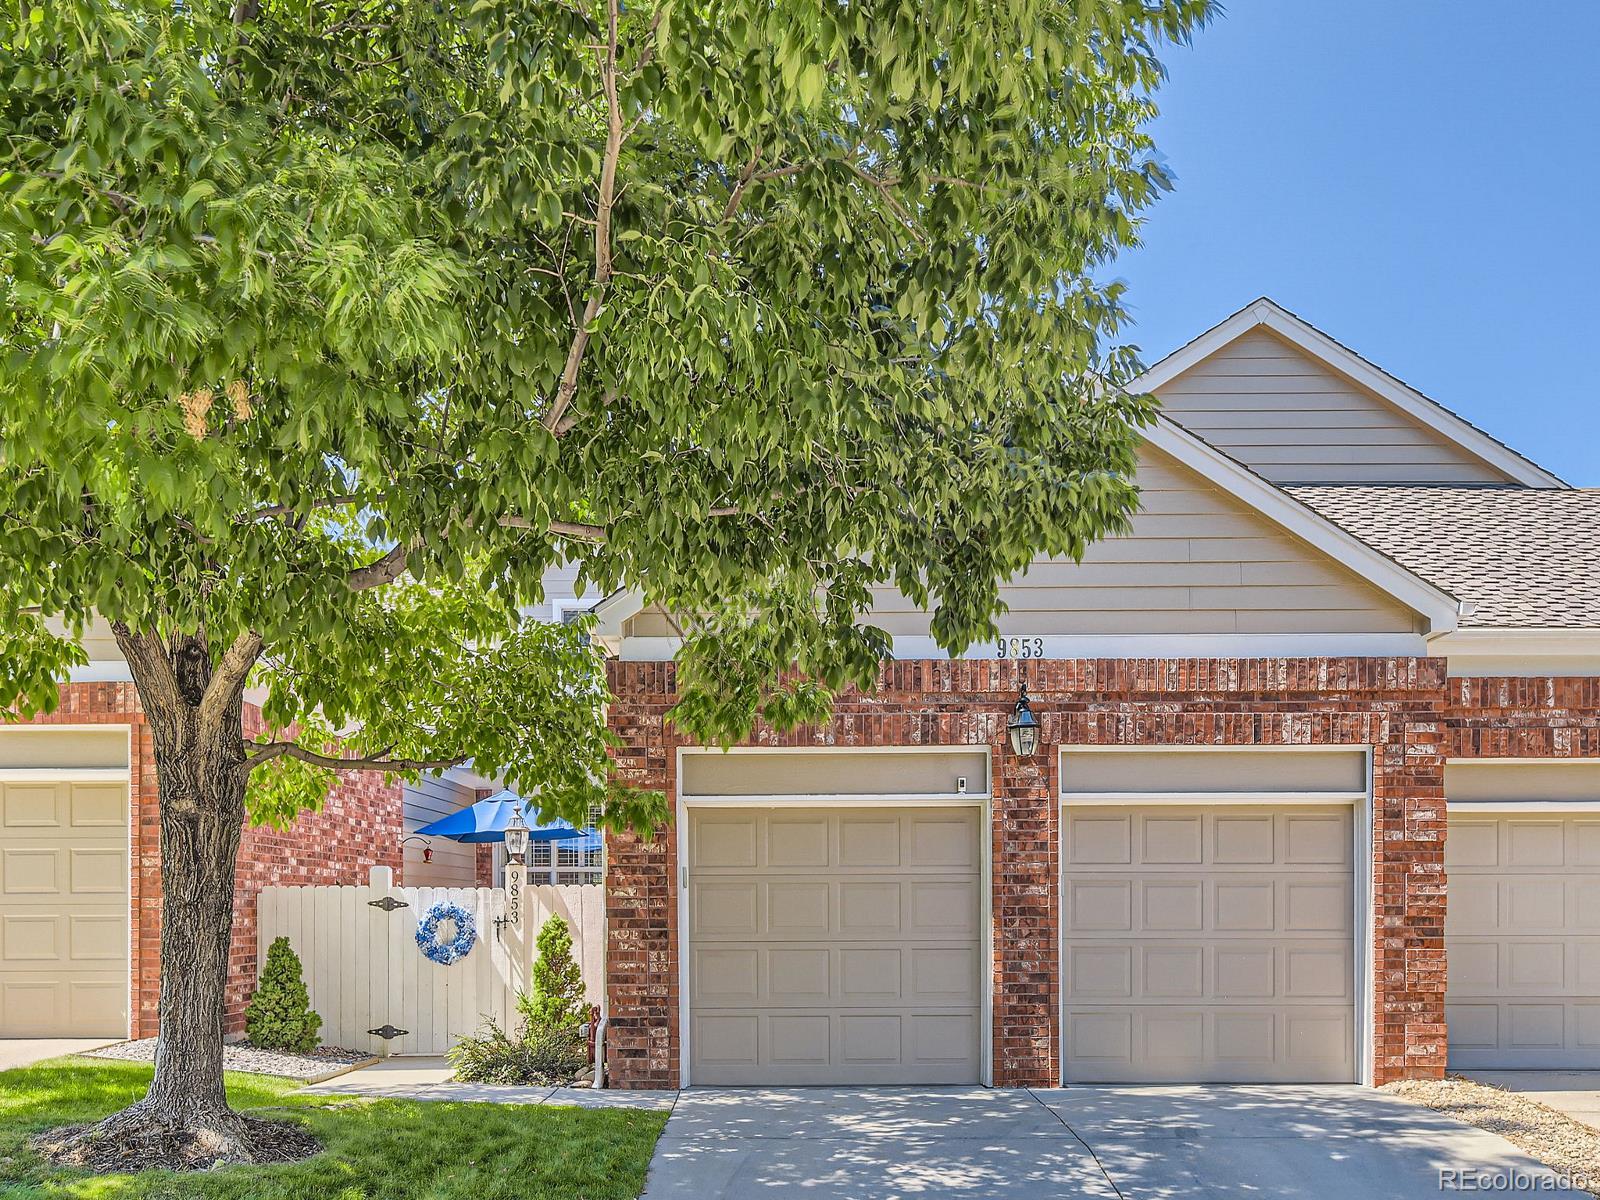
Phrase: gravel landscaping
pixel 1553 1138
pixel 322 1063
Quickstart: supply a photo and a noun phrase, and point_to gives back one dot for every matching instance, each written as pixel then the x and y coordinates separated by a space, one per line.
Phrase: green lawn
pixel 376 1149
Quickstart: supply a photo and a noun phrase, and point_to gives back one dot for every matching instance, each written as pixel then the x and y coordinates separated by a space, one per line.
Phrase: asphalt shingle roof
pixel 1527 557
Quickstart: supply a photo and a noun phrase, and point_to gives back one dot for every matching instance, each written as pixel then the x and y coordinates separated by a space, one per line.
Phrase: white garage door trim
pixel 39 734
pixel 1362 884
pixel 977 796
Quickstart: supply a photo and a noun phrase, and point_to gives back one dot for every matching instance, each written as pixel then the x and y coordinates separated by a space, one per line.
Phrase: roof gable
pixel 1298 407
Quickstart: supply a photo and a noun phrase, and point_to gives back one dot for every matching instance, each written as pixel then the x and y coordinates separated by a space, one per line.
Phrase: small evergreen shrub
pixel 279 1016
pixel 549 1046
pixel 558 999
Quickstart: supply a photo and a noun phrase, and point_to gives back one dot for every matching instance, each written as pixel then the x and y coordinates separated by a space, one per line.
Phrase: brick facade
pixel 358 828
pixel 1394 705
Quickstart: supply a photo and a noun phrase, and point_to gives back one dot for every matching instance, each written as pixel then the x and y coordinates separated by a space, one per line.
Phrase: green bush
pixel 537 1055
pixel 558 999
pixel 549 1046
pixel 279 1016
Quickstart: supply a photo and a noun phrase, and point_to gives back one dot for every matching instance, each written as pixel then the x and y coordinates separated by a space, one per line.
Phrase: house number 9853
pixel 1019 647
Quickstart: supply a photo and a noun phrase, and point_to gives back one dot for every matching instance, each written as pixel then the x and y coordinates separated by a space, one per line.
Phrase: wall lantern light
pixel 1024 727
pixel 517 837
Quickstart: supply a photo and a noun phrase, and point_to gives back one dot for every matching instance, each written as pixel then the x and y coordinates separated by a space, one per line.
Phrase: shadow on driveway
pixel 1136 1143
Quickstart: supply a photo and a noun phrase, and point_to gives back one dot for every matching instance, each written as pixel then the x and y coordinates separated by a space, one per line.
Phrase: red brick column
pixel 1026 874
pixel 641 892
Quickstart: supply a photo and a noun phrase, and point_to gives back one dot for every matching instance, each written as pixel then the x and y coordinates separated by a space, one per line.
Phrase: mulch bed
pixel 152 1148
pixel 238 1056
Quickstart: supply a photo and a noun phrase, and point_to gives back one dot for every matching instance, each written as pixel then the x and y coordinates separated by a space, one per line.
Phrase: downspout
pixel 605 977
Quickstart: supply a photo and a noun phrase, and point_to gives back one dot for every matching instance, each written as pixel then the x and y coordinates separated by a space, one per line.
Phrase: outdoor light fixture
pixel 517 838
pixel 1024 728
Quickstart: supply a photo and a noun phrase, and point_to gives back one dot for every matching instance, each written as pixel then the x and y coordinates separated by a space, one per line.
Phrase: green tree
pixel 279 1015
pixel 330 325
pixel 558 1000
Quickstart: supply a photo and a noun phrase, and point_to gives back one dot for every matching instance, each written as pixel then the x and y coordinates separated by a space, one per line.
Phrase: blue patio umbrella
pixel 486 821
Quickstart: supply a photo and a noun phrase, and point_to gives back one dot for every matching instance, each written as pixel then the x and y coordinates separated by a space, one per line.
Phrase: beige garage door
pixel 63 909
pixel 1209 945
pixel 834 946
pixel 1522 931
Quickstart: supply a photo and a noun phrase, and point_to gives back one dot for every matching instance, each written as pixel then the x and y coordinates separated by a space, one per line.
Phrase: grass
pixel 376 1149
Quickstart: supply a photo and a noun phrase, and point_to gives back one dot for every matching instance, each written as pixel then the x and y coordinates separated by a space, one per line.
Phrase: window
pixel 561 862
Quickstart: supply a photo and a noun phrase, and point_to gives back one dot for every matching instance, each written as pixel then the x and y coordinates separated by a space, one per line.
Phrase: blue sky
pixel 1421 180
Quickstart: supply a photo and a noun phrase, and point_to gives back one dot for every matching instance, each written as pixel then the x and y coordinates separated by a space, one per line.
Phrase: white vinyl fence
pixel 372 985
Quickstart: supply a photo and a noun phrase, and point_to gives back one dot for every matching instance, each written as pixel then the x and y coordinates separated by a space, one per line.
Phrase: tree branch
pixel 375 574
pixel 227 680
pixel 284 510
pixel 568 387
pixel 566 529
pixel 745 176
pixel 294 750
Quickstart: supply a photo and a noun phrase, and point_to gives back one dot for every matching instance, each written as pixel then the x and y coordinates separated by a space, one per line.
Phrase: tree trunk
pixel 199 853
pixel 184 1119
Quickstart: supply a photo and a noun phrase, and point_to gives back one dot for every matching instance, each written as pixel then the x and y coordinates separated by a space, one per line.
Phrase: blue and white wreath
pixel 458 947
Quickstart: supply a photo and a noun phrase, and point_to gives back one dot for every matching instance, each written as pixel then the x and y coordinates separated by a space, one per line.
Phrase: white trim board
pixel 63 774
pixel 1201 799
pixel 1268 314
pixel 1186 645
pixel 1465 808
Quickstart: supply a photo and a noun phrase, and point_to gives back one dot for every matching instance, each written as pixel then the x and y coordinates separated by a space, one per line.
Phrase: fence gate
pixel 372 986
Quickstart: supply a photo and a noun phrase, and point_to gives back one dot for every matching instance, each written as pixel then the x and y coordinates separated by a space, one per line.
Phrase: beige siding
pixel 454 863
pixel 1197 561
pixel 654 621
pixel 1295 421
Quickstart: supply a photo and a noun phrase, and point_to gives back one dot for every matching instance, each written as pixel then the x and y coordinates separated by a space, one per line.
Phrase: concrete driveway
pixel 1152 1143
pixel 24 1052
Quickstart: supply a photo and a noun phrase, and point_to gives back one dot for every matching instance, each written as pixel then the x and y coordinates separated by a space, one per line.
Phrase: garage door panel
pixel 726 908
pixel 1241 1044
pixel 724 840
pixel 38 871
pixel 1472 844
pixel 793 842
pixel 1239 966
pixel 1243 840
pixel 96 805
pixel 1173 840
pixel 1534 844
pixel 1522 930
pixel 795 908
pixel 33 805
pixel 866 969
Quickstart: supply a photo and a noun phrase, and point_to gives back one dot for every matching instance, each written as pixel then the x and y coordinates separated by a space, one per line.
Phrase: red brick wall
pixel 357 829
pixel 1537 717
pixel 1392 705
